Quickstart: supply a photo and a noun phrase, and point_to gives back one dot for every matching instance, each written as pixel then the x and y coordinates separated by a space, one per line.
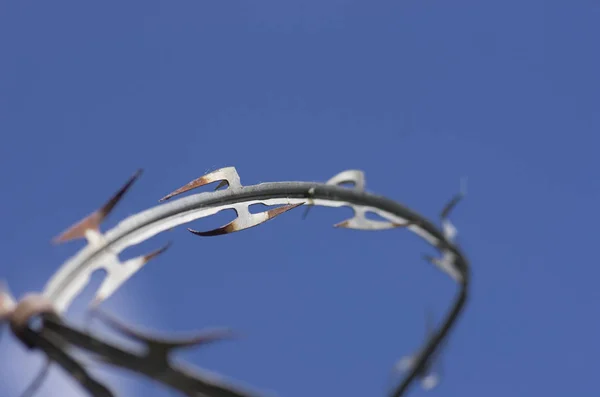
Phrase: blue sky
pixel 416 93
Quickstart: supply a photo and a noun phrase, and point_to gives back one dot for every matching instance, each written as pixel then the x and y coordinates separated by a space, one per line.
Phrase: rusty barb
pixel 89 228
pixel 245 219
pixel 92 221
pixel 55 338
pixel 226 176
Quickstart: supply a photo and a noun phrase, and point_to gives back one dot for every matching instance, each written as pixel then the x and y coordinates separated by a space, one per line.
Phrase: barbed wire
pixel 37 320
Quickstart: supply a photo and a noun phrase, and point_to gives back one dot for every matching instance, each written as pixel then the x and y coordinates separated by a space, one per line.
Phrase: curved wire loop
pixel 103 250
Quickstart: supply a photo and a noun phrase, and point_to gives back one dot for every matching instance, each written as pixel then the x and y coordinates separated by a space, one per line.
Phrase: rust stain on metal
pixel 189 186
pixel 343 223
pixel 280 210
pixel 246 222
pixel 157 252
pixel 93 221
pixel 228 228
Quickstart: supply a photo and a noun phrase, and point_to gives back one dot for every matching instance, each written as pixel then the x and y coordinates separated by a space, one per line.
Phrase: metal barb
pixel 121 272
pixel 103 250
pixel 154 364
pixel 428 377
pixel 356 177
pixel 450 205
pixel 162 346
pixel 93 221
pixel 246 220
pixel 446 264
pixel 54 346
pixel 157 252
pixel 360 222
pixel 227 176
pixel 455 200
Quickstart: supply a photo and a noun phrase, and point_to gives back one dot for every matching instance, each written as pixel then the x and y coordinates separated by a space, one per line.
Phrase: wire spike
pixel 157 252
pixel 445 264
pixel 360 222
pixel 246 221
pixel 166 344
pixel 455 200
pixel 357 177
pixel 227 176
pixel 119 273
pixel 450 206
pixel 93 220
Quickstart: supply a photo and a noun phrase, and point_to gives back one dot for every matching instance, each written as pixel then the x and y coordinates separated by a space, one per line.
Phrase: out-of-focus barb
pixel 245 220
pixel 354 177
pixel 162 346
pixel 35 335
pixel 121 272
pixel 227 176
pixel 360 221
pixel 447 263
pixel 92 222
pixel 155 362
pixel 447 226
pixel 429 377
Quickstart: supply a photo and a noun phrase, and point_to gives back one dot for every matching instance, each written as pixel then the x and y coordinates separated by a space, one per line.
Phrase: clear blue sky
pixel 416 93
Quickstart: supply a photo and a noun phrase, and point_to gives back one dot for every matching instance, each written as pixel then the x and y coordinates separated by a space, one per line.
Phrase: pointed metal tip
pixel 93 220
pixel 112 202
pixel 116 325
pixel 187 187
pixel 451 204
pixel 284 208
pixel 215 232
pixel 250 221
pixel 227 176
pixel 342 224
pixel 224 182
pixel 158 251
pixel 202 338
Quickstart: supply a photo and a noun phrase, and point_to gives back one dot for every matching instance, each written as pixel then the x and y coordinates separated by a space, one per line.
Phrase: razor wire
pixel 52 334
